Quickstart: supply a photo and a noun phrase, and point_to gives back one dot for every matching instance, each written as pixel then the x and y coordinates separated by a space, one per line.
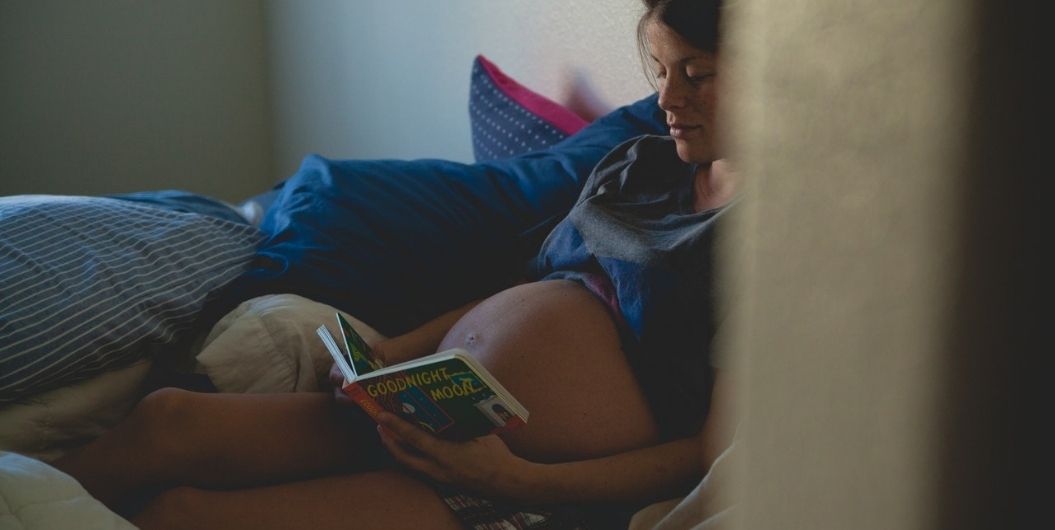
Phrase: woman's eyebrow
pixel 689 59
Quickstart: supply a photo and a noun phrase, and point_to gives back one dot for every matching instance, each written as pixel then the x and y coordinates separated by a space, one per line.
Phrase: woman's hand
pixel 337 381
pixel 483 464
pixel 396 350
pixel 387 351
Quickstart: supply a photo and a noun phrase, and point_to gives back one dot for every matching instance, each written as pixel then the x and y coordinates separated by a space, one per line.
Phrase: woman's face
pixel 685 76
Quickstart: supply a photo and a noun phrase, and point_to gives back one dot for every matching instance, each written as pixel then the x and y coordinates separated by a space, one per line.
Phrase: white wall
pixel 107 96
pixel 390 78
pixel 222 98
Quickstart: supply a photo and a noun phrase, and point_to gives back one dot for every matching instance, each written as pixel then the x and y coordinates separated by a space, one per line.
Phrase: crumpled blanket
pixel 36 496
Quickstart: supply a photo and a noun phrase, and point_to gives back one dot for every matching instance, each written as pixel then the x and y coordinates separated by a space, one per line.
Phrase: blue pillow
pixel 91 283
pixel 508 119
pixel 397 243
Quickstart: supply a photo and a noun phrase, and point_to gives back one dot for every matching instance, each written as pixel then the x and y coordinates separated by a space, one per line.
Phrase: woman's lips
pixel 679 130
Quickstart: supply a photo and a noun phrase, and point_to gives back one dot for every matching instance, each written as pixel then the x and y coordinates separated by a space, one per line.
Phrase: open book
pixel 448 393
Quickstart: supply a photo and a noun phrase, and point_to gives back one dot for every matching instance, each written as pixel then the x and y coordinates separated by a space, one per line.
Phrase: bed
pixel 106 298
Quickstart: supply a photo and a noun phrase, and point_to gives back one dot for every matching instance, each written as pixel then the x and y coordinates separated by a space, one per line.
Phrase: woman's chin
pixel 692 153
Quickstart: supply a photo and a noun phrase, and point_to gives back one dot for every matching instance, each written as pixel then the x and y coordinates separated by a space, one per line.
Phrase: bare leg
pixel 179 438
pixel 385 499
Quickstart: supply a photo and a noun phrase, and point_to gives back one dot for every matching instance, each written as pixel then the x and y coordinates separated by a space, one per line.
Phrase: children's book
pixel 448 393
pixel 358 351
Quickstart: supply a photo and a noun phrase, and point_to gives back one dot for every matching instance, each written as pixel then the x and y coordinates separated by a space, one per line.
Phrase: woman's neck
pixel 715 185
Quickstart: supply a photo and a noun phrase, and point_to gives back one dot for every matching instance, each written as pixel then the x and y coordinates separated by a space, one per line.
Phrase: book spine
pixel 361 398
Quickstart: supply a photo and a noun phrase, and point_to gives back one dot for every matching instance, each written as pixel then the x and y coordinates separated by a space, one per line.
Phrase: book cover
pixel 448 394
pixel 358 351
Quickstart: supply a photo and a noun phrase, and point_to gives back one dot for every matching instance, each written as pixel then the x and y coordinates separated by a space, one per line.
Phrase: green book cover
pixel 447 394
pixel 358 350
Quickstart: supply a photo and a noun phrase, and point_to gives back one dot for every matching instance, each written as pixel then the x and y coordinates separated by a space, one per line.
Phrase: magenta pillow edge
pixel 554 113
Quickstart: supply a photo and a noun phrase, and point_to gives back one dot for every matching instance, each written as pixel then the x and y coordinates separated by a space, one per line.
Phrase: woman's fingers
pixel 337 381
pixel 336 377
pixel 411 458
pixel 408 434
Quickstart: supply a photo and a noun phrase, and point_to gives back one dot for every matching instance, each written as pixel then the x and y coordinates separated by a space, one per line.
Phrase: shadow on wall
pixel 579 94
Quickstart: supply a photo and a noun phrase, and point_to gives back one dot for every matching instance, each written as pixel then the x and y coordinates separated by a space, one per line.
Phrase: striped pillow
pixel 90 283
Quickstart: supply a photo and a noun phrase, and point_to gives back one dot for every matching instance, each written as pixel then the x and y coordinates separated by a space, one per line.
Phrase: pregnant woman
pixel 608 347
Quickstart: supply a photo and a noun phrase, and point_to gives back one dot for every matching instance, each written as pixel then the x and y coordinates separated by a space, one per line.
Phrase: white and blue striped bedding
pixel 90 283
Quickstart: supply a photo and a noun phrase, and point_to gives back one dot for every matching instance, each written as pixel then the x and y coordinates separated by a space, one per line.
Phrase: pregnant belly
pixel 554 346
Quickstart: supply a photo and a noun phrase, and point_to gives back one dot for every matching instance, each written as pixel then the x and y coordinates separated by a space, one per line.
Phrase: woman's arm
pixel 660 471
pixel 419 342
pixel 486 464
pixel 656 472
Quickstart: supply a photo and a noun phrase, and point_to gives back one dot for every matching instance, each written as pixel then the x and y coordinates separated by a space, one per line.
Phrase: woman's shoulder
pixel 657 152
pixel 650 157
pixel 646 145
pixel 654 141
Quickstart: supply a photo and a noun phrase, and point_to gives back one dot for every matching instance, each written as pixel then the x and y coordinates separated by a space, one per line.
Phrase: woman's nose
pixel 671 94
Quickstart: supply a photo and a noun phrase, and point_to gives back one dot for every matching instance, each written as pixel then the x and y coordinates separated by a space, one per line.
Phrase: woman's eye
pixel 700 78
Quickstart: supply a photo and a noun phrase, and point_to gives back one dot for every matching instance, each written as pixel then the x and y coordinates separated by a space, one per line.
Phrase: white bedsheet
pixel 48 425
pixel 36 496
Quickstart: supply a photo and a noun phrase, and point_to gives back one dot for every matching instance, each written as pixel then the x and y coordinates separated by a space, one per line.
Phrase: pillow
pixel 187 202
pixel 398 242
pixel 35 495
pixel 269 345
pixel 50 424
pixel 91 283
pixel 508 118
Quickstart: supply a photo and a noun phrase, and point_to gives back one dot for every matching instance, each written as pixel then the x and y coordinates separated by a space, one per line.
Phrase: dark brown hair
pixel 696 21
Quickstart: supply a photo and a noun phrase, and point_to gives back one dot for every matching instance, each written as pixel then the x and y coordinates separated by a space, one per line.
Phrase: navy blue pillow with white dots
pixel 509 119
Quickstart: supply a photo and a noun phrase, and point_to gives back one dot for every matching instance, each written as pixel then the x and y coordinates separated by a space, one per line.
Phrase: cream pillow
pixel 50 424
pixel 36 496
pixel 268 344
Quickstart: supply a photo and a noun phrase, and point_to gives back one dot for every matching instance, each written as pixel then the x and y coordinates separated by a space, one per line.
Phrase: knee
pixel 164 406
pixel 164 416
pixel 174 508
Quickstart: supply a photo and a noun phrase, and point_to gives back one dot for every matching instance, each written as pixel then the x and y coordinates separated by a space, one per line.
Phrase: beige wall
pixel 888 316
pixel 222 98
pixel 390 78
pixel 107 96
